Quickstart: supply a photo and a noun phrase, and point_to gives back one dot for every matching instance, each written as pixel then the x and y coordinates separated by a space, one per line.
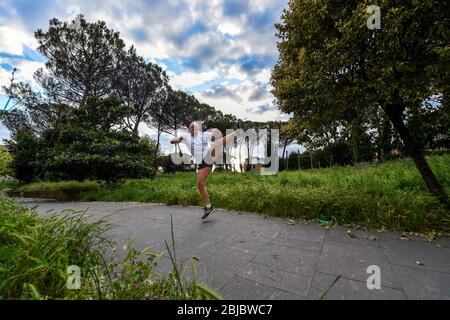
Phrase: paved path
pixel 247 256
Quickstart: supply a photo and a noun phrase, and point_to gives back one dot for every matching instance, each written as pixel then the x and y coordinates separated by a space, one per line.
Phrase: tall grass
pixel 35 253
pixel 390 195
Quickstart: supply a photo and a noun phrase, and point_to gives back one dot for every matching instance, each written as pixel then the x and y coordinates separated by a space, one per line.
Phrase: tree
pixel 178 111
pixel 86 153
pixel 332 69
pixel 286 135
pixel 428 124
pixel 82 59
pixel 39 110
pixel 25 149
pixel 104 115
pixel 16 120
pixel 141 86
pixel 82 63
pixel 156 120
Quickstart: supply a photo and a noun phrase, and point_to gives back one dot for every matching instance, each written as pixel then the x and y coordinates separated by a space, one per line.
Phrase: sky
pixel 221 51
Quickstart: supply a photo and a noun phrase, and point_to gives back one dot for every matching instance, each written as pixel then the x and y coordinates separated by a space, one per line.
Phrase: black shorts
pixel 203 165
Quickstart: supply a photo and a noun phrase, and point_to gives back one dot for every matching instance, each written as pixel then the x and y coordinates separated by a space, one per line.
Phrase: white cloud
pixel 188 80
pixel 263 76
pixel 234 72
pixel 13 38
pixel 235 98
pixel 4 78
pixel 232 28
pixel 26 69
pixel 24 73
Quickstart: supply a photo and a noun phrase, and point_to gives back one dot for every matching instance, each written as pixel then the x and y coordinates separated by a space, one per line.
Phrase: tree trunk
pixel 248 155
pixel 155 155
pixel 157 146
pixel 136 125
pixel 285 146
pixel 394 112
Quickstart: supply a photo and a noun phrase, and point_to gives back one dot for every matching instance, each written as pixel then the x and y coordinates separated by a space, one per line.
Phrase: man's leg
pixel 202 176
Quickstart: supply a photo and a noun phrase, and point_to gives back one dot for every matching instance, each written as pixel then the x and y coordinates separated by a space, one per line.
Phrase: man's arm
pixel 229 138
pixel 223 141
pixel 219 144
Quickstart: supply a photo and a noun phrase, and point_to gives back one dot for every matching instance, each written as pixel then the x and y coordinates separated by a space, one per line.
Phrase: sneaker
pixel 208 212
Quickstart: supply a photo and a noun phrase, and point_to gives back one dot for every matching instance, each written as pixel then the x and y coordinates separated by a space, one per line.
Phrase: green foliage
pixel 332 68
pixel 431 126
pixel 35 253
pixel 168 165
pixel 71 185
pixel 85 153
pixel 5 162
pixel 335 74
pixel 89 145
pixel 104 115
pixel 390 195
pixel 9 185
pixel 25 147
pixel 340 153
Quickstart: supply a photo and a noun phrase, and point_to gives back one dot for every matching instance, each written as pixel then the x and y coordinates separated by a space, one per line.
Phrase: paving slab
pixel 330 287
pixel 352 261
pixel 243 289
pixel 423 284
pixel 296 260
pixel 283 280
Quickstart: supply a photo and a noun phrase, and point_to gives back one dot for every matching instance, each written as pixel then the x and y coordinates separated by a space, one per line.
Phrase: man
pixel 204 152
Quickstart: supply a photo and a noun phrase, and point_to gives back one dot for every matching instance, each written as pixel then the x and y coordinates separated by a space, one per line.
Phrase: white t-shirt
pixel 198 145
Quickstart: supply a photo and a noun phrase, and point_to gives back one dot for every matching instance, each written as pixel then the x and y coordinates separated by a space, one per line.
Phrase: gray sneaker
pixel 208 212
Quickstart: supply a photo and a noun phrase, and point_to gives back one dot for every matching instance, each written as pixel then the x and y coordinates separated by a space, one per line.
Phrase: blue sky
pixel 222 51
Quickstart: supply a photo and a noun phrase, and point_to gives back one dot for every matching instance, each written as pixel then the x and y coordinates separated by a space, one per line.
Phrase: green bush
pixel 84 153
pixel 87 144
pixel 26 147
pixel 5 162
pixel 168 165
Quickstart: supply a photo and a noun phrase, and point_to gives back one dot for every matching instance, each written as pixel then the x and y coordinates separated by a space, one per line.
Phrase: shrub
pixel 5 162
pixel 25 148
pixel 35 253
pixel 84 153
pixel 88 144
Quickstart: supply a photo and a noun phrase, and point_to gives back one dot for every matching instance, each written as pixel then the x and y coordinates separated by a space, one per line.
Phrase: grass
pixel 35 253
pixel 390 195
pixel 65 186
pixel 9 185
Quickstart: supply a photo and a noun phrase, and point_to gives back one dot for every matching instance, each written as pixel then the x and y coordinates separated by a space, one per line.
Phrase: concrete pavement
pixel 248 256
